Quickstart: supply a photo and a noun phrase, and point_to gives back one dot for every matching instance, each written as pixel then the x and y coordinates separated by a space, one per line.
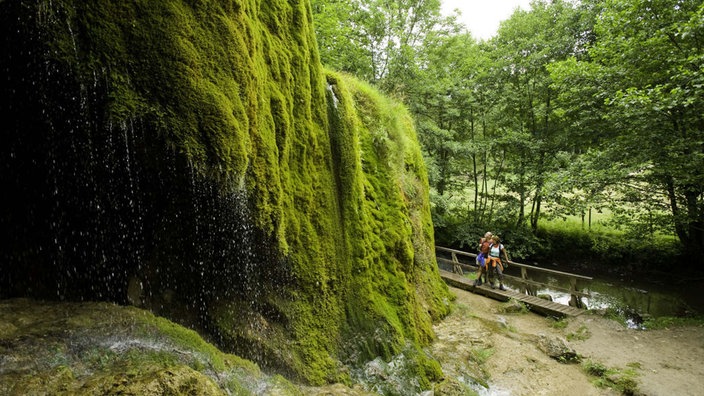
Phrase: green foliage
pixel 594 368
pixel 557 323
pixel 464 233
pixel 667 322
pixel 480 355
pixel 623 381
pixel 581 334
pixel 377 41
pixel 640 70
pixel 616 314
pixel 609 248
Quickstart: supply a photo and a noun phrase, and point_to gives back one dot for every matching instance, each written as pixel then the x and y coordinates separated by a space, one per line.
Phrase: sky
pixel 482 17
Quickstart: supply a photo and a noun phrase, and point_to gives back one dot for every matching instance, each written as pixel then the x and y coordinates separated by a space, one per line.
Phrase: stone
pixel 557 348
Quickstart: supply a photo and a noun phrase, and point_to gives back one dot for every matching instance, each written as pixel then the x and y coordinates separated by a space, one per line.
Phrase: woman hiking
pixel 494 263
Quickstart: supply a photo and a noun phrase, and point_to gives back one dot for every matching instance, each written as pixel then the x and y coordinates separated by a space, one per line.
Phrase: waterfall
pixel 101 205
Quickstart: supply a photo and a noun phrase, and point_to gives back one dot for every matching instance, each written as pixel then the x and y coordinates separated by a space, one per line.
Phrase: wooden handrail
pixel 518 265
pixel 575 292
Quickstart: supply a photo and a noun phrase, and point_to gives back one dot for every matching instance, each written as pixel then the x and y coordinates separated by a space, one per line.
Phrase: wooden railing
pixel 529 286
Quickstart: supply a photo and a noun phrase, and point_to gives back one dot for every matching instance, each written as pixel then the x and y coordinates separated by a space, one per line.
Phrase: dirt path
pixel 480 341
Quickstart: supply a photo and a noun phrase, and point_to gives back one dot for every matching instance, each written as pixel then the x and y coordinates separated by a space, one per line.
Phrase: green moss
pixel 388 227
pixel 93 348
pixel 335 178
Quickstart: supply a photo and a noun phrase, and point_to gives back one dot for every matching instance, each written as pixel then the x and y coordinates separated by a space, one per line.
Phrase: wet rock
pixel 450 387
pixel 181 380
pixel 52 348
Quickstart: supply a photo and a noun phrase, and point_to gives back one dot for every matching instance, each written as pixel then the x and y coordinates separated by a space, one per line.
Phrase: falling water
pixel 101 206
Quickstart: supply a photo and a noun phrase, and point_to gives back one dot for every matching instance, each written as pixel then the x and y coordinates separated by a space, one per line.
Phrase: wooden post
pixel 529 289
pixel 575 300
pixel 456 268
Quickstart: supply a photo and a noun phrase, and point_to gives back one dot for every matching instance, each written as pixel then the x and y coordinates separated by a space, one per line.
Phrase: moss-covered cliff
pixel 193 157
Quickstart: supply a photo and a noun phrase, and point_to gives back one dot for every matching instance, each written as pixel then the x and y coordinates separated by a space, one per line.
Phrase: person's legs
pixel 500 272
pixel 491 267
pixel 481 264
pixel 480 271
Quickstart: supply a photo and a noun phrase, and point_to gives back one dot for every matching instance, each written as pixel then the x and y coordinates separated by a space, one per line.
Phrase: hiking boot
pixel 492 285
pixel 501 287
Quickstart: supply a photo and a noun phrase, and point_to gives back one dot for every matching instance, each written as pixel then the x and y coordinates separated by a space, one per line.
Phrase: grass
pixel 666 322
pixel 480 355
pixel 575 222
pixel 604 246
pixel 622 380
pixel 581 334
pixel 557 323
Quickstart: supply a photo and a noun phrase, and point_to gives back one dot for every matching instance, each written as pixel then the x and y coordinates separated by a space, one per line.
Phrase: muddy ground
pixel 500 351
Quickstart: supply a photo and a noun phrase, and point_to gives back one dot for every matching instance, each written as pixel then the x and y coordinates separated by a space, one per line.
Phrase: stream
pixel 634 299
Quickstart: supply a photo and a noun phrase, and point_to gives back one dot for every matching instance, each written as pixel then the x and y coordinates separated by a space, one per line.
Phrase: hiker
pixel 484 244
pixel 494 263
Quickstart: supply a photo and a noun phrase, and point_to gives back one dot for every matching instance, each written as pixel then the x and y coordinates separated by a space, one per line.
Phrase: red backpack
pixel 485 246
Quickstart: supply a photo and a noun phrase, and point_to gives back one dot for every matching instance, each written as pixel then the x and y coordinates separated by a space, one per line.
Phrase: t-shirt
pixel 496 250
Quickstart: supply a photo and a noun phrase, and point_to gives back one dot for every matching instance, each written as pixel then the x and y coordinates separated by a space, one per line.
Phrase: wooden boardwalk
pixel 535 304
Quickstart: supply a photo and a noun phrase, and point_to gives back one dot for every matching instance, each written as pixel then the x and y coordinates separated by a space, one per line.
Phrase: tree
pixel 341 43
pixel 646 70
pixel 376 40
pixel 531 130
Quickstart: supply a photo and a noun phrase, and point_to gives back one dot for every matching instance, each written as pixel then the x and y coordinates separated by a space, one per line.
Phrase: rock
pixel 134 291
pixel 503 323
pixel 450 387
pixel 557 349
pixel 180 380
pixel 513 306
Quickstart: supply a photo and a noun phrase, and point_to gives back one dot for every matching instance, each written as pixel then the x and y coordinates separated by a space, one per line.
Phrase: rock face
pixel 193 158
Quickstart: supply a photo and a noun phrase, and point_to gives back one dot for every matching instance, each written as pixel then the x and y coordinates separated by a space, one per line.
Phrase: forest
pixel 574 111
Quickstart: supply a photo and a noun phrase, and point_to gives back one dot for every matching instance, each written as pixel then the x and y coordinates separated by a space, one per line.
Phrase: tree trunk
pixel 680 228
pixel 535 216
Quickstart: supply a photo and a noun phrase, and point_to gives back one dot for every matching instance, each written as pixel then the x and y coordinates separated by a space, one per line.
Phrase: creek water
pixel 633 298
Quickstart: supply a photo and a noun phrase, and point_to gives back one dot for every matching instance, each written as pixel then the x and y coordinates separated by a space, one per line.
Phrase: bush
pixel 609 248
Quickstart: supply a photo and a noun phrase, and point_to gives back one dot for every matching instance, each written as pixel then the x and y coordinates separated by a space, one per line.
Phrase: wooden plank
pixel 535 304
